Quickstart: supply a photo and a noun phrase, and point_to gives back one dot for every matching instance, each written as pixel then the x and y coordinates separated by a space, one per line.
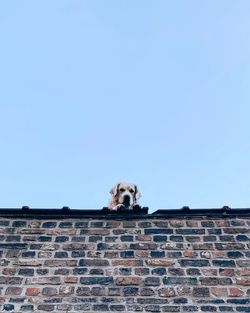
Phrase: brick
pixel 60 263
pixel 219 292
pixel 66 290
pixel 26 272
pixel 16 246
pixel 49 224
pixel 203 246
pixel 176 271
pixel 242 238
pixel 190 254
pixel 27 307
pixel 8 280
pixel 93 262
pixel 127 254
pixel 193 271
pixel 61 271
pixel 128 238
pixel 101 231
pixel 201 292
pixel 235 254
pixel 157 254
pixel 209 272
pixel 13 291
pixel 193 238
pixel 141 254
pixel 207 224
pixel 126 281
pixel 130 291
pixel 159 271
pixel 236 292
pixel 229 246
pixel 83 291
pixel 152 308
pixel 171 308
pixel 96 280
pixel 213 281
pixel 115 291
pixel 96 271
pixel 31 262
pixel 176 238
pixel 226 272
pixel 243 263
pixel 53 280
pixel 154 231
pixel 224 263
pixel 46 307
pixel 143 246
pixel 49 291
pixel 208 308
pixel 190 231
pixel 244 281
pixel 233 230
pixel 167 292
pixel 14 238
pixel 160 238
pixel 197 263
pixel 160 262
pixel 143 238
pixel 152 281
pixel 141 271
pixel 32 291
pixel 147 292
pixel 127 262
pixel 117 308
pixel 71 279
pixel 8 307
pixel 100 307
pixel 179 281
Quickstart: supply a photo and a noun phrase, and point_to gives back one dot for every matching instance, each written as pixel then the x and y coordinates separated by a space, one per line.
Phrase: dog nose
pixel 126 200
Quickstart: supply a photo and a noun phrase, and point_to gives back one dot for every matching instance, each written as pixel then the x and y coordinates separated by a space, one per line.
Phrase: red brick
pixel 236 292
pixel 127 262
pixel 219 292
pixel 243 271
pixel 190 254
pixel 32 291
pixel 143 238
pixel 128 281
pixel 60 263
pixel 2 299
pixel 245 281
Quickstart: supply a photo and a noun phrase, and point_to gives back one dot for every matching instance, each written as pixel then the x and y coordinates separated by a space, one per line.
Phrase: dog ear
pixel 137 193
pixel 114 190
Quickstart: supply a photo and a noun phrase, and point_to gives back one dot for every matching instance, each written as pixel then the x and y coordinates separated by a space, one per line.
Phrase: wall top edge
pixel 136 213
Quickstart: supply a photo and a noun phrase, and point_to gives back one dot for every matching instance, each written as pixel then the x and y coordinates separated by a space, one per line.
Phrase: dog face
pixel 124 194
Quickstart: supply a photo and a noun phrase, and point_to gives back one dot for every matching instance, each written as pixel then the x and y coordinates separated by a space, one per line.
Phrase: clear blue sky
pixel 151 92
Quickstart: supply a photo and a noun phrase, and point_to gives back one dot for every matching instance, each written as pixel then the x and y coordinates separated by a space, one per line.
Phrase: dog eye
pixel 122 190
pixel 131 190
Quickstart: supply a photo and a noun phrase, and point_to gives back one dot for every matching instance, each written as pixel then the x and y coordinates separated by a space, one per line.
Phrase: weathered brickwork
pixel 149 265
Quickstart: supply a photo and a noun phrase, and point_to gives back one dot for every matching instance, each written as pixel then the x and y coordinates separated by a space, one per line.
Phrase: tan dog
pixel 124 195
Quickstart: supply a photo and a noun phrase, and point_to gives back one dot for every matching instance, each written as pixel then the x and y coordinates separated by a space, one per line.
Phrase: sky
pixel 156 93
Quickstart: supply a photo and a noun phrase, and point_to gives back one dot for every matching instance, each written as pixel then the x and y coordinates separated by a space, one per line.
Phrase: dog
pixel 124 195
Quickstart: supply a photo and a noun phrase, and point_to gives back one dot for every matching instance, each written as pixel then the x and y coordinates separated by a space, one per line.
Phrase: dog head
pixel 126 194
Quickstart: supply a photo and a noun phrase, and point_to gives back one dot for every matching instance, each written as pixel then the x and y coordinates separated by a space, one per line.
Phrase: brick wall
pixel 147 265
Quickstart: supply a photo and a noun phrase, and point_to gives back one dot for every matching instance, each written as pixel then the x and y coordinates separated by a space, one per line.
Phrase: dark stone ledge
pixel 123 214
